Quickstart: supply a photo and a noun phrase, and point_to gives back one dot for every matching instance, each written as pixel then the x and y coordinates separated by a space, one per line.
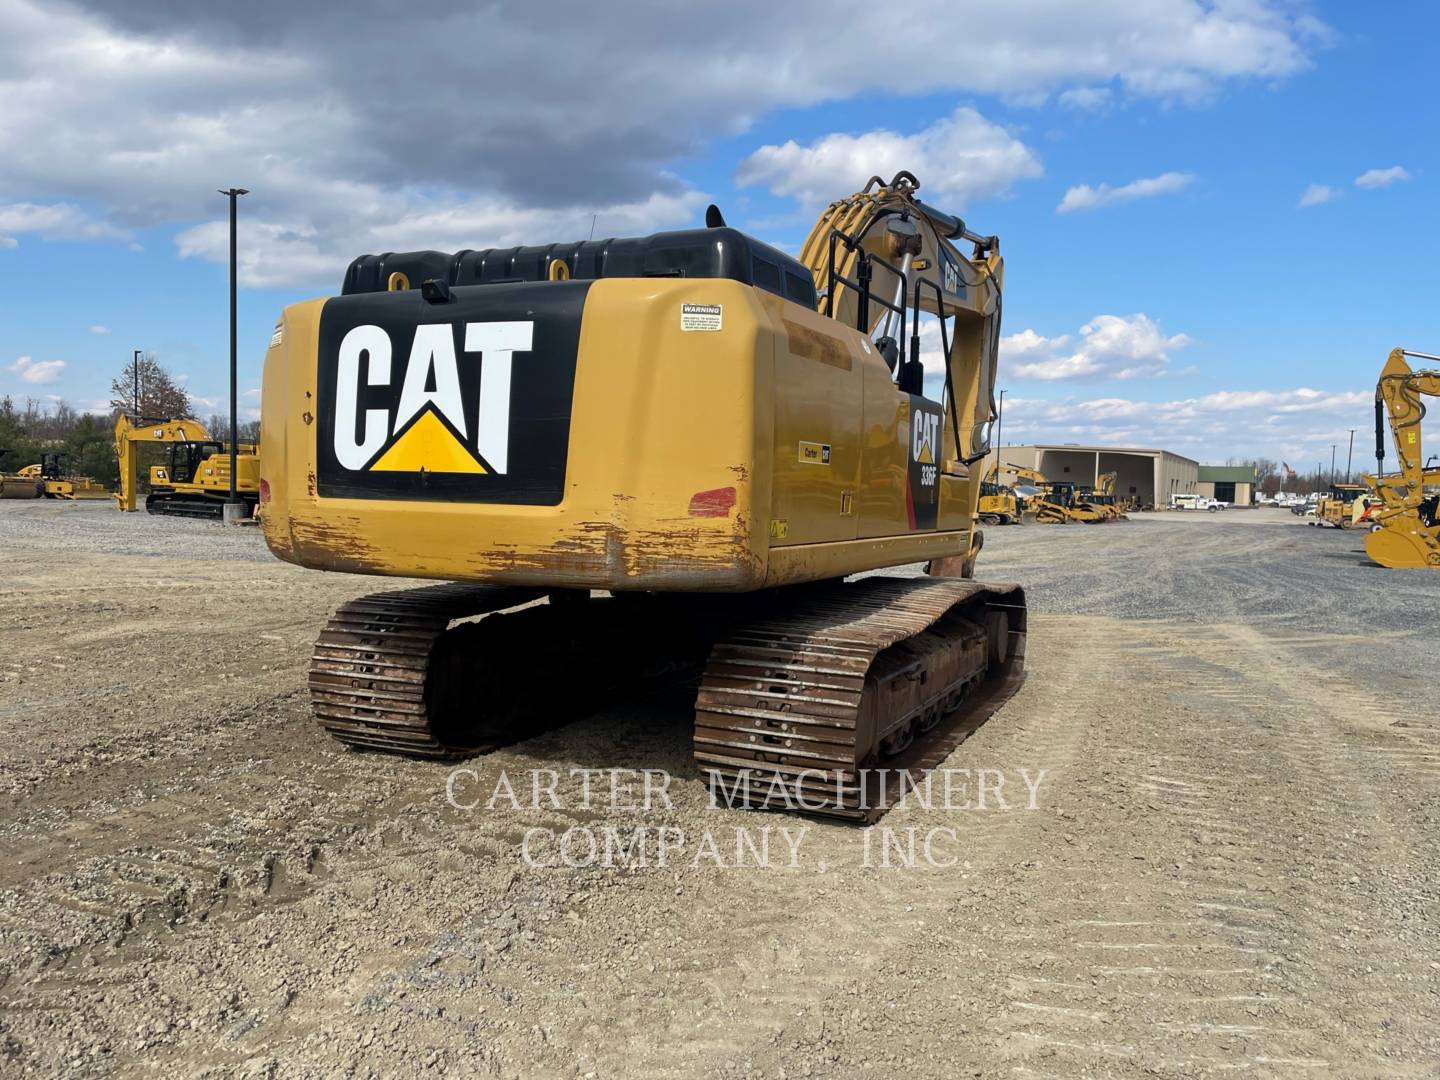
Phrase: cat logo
pixel 429 429
pixel 950 276
pixel 465 401
pixel 924 429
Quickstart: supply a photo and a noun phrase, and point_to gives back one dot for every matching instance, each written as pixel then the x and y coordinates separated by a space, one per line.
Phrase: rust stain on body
pixel 813 345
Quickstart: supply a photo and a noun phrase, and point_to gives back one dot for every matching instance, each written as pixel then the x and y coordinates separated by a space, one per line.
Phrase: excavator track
pixel 828 708
pixel 814 699
pixel 377 678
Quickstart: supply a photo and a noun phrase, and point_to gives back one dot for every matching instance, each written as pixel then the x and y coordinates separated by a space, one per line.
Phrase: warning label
pixel 701 316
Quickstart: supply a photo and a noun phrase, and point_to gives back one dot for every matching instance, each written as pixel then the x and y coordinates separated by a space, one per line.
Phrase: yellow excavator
pixel 1000 504
pixel 714 433
pixel 1405 531
pixel 1058 502
pixel 195 480
pixel 1103 500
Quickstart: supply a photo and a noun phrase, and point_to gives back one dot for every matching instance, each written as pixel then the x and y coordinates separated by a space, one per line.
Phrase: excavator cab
pixel 187 457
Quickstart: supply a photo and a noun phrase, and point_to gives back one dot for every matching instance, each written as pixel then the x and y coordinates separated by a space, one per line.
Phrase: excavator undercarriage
pixel 815 699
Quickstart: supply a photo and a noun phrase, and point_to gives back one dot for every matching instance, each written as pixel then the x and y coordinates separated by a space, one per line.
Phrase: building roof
pixel 1227 474
pixel 1139 450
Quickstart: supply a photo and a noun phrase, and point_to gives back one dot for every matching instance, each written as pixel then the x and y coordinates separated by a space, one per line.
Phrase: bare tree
pixel 160 395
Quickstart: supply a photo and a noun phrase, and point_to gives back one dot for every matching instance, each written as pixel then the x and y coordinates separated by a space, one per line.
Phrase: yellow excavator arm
pixel 1408 527
pixel 1034 476
pixel 866 248
pixel 132 430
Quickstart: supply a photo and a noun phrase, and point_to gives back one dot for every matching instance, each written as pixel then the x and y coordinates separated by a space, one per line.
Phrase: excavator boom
pixel 1406 528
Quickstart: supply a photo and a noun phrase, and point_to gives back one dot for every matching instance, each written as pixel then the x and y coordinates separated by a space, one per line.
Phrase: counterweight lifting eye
pixel 559 270
pixel 398 282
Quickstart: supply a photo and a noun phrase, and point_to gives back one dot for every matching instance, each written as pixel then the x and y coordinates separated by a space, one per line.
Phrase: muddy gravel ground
pixel 1230 868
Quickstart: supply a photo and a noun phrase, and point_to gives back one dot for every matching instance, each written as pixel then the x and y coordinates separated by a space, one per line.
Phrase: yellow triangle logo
pixel 925 457
pixel 427 445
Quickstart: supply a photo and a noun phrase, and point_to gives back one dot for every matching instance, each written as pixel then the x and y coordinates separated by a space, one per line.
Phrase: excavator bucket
pixel 1402 542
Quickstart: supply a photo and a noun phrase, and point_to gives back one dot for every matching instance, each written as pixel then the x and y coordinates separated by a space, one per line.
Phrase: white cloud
pixel 102 331
pixel 1110 347
pixel 1379 178
pixel 287 104
pixel 274 253
pixel 959 158
pixel 53 221
pixel 1088 98
pixel 1297 425
pixel 37 372
pixel 1029 344
pixel 1085 197
pixel 1316 194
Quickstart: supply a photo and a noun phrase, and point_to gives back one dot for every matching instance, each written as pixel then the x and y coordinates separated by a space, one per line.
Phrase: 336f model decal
pixel 922 492
pixel 467 401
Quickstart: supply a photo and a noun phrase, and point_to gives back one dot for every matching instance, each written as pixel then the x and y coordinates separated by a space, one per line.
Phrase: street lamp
pixel 233 506
pixel 1000 426
pixel 1349 455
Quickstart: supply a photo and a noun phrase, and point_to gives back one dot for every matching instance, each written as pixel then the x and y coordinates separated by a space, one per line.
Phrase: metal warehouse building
pixel 1152 476
pixel 1228 483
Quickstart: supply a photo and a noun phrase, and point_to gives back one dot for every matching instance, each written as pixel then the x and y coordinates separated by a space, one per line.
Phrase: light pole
pixel 1000 426
pixel 1349 455
pixel 234 508
pixel 1332 463
pixel 135 369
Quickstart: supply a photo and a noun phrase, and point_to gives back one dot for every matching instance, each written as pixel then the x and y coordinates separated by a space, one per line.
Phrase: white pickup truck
pixel 1195 502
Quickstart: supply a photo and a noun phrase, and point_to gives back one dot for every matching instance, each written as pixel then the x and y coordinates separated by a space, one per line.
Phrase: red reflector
pixel 264 490
pixel 715 503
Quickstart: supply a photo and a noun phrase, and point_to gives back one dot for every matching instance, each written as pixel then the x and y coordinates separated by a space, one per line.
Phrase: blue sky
pixel 1185 298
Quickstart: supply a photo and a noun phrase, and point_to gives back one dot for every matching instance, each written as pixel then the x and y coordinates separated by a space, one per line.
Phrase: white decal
pixel 498 342
pixel 702 317
pixel 362 339
pixel 434 350
pixel 925 425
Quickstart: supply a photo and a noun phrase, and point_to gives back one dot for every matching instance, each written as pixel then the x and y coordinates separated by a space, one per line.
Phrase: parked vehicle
pixel 1195 502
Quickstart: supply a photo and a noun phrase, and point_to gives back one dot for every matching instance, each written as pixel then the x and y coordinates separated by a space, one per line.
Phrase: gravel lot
pixel 1231 867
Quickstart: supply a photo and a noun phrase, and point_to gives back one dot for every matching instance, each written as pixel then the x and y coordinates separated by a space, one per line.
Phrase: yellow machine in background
pixel 714 432
pixel 1058 502
pixel 55 483
pixel 1103 500
pixel 195 482
pixel 1336 508
pixel 1407 533
pixel 16 486
pixel 999 503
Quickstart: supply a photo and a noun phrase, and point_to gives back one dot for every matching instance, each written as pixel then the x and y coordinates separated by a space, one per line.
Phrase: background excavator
pixel 1057 501
pixel 1000 504
pixel 1406 529
pixel 716 434
pixel 1103 498
pixel 194 481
